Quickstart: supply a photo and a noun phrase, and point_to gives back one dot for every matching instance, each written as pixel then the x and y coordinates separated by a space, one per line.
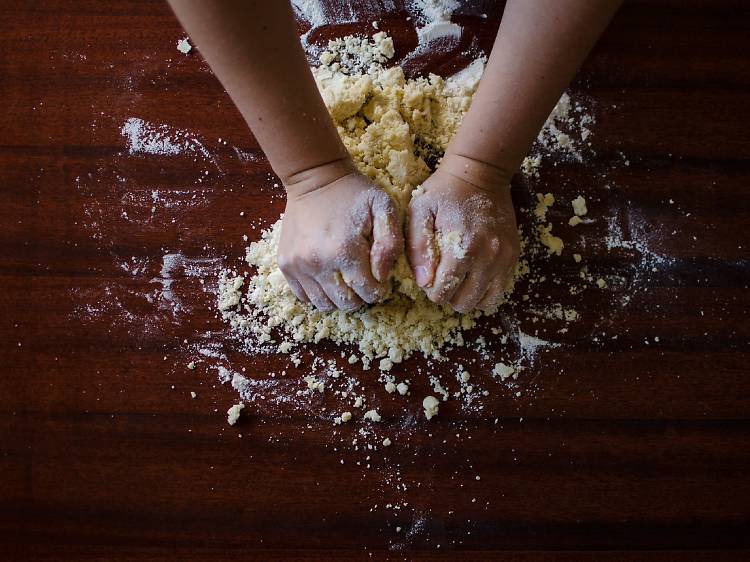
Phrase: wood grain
pixel 620 447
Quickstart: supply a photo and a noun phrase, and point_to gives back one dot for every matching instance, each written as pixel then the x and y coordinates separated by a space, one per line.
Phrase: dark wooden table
pixel 633 435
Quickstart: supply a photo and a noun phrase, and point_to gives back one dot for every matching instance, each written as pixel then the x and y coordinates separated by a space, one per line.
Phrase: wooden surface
pixel 633 435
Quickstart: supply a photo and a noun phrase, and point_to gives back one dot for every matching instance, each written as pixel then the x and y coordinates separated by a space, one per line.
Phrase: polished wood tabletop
pixel 626 437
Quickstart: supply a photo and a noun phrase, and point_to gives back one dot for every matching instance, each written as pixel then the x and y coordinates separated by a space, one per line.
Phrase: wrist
pixel 483 175
pixel 314 177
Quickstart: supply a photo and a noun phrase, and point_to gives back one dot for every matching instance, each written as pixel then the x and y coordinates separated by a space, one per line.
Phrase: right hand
pixel 339 243
pixel 471 202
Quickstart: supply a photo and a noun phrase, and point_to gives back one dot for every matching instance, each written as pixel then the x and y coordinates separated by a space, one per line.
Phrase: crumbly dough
pixel 431 406
pixel 579 210
pixel 579 206
pixel 503 371
pixel 554 243
pixel 184 46
pixel 233 413
pixel 372 415
pixel 392 127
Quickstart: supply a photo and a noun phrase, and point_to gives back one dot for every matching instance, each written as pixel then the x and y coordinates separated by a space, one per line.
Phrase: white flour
pixel 148 138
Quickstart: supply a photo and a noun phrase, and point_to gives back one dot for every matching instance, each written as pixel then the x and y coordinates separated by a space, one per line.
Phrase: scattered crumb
pixel 184 46
pixel 372 415
pixel 579 206
pixel 503 371
pixel 431 406
pixel 233 413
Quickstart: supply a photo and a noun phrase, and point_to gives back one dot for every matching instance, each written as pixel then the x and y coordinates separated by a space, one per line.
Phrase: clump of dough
pixel 233 413
pixel 372 415
pixel 392 127
pixel 553 243
pixel 579 206
pixel 579 210
pixel 431 406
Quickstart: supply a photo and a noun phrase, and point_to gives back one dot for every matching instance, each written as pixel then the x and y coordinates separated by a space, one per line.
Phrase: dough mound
pixel 392 127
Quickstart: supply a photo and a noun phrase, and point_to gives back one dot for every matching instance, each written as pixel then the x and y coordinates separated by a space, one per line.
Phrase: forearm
pixel 539 47
pixel 253 49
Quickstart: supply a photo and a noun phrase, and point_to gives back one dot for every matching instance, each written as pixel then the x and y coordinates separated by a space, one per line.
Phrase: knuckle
pixel 438 294
pixel 350 305
pixel 495 244
pixel 324 306
pixel 461 308
pixel 285 264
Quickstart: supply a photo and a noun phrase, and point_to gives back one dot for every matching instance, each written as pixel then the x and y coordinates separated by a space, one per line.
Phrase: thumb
pixel 387 238
pixel 420 242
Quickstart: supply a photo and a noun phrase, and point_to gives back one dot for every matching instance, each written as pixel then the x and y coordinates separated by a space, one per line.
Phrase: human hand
pixel 462 239
pixel 339 242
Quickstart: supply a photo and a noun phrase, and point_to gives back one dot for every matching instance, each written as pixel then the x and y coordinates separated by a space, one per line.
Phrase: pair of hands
pixel 340 241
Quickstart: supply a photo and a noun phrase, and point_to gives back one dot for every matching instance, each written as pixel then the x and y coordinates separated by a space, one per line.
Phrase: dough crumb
pixel 579 206
pixel 402 388
pixel 184 46
pixel 372 415
pixel 431 406
pixel 544 202
pixel 386 442
pixel 346 416
pixel 233 413
pixel 553 243
pixel 503 371
pixel 314 384
pixel 451 242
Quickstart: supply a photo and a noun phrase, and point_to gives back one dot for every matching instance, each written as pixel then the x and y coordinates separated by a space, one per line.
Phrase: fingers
pixel 472 290
pixel 494 294
pixel 289 274
pixel 357 274
pixel 448 278
pixel 296 288
pixel 339 292
pixel 387 238
pixel 420 244
pixel 317 295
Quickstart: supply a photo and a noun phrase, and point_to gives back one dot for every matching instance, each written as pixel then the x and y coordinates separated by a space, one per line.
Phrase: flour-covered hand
pixel 462 240
pixel 339 242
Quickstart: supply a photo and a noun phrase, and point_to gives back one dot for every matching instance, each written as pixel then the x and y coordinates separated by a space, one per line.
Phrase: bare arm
pixel 253 49
pixel 538 49
pixel 340 236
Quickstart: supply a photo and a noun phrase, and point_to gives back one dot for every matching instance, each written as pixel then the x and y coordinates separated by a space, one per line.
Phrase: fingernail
pixel 422 275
